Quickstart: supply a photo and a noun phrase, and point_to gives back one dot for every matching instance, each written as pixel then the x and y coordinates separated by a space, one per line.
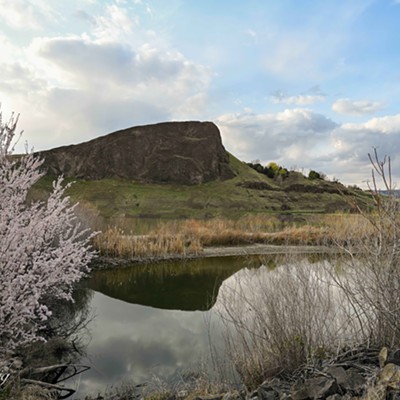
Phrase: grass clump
pixel 115 243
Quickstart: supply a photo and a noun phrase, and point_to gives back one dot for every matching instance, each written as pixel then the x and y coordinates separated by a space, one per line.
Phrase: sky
pixel 308 84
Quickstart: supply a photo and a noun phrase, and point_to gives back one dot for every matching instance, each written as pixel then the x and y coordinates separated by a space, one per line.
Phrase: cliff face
pixel 172 152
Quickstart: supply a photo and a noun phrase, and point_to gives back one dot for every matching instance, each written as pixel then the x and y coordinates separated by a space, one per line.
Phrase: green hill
pixel 110 201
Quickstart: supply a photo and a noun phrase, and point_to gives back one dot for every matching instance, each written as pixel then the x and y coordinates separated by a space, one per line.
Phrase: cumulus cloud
pixel 275 137
pixel 356 107
pixel 144 73
pixel 306 139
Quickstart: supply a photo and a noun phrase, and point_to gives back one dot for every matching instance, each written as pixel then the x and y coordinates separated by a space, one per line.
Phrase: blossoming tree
pixel 43 250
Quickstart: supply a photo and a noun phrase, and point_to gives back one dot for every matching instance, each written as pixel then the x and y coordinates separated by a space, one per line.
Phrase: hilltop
pixel 181 170
pixel 185 153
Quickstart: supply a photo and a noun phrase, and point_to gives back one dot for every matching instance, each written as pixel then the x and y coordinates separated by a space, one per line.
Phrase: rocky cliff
pixel 175 152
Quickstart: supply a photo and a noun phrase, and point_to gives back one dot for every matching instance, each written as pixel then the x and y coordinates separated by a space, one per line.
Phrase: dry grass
pixel 189 237
pixel 115 243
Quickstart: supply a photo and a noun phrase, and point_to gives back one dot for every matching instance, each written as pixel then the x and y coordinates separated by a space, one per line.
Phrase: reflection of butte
pixel 184 285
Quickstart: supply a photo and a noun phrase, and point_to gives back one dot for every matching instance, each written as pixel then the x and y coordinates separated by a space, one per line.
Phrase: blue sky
pixel 308 84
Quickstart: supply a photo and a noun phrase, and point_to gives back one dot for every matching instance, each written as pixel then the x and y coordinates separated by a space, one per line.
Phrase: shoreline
pixel 104 262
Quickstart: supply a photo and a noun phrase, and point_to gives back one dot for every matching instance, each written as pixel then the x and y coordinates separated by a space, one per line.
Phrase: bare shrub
pixel 371 268
pixel 277 321
pixel 297 314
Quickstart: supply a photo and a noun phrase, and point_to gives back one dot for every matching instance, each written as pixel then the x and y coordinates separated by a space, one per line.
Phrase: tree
pixel 43 250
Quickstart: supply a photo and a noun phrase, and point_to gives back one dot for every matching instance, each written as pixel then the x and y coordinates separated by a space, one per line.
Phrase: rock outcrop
pixel 172 152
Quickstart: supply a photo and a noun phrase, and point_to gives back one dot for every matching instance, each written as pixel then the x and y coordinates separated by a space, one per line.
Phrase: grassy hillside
pixel 117 200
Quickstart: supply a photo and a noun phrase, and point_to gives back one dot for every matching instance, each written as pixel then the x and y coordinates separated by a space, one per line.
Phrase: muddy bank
pixel 208 252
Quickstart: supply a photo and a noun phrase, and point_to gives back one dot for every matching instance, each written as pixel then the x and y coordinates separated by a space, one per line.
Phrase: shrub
pixel 314 175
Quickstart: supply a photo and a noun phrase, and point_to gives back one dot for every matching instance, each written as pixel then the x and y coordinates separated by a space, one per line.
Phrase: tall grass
pixel 189 237
pixel 115 243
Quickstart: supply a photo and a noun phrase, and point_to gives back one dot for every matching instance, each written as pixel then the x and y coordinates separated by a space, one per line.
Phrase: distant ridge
pixel 171 152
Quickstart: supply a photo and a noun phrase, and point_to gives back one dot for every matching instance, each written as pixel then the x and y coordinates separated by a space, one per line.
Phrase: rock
pixel 271 389
pixel 394 357
pixel 383 354
pixel 300 392
pixel 334 397
pixel 356 383
pixel 349 380
pixel 256 185
pixel 172 152
pixel 339 373
pixel 321 387
pixel 315 388
pixel 389 376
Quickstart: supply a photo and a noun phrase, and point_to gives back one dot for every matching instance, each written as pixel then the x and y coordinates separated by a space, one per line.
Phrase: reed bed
pixel 189 237
pixel 115 243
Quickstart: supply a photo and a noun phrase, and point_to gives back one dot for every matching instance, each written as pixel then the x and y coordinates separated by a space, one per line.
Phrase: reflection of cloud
pixel 134 342
pixel 122 358
pixel 356 107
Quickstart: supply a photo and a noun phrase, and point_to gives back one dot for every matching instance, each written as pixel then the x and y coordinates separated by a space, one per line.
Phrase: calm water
pixel 154 320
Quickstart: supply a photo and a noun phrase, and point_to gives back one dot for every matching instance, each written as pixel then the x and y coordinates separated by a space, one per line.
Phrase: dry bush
pixel 371 267
pixel 115 243
pixel 277 321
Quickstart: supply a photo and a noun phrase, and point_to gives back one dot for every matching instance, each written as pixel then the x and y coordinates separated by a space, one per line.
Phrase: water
pixel 153 320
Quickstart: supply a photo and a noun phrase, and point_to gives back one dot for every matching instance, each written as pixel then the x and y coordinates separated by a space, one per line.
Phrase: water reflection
pixel 151 320
pixel 134 342
pixel 184 285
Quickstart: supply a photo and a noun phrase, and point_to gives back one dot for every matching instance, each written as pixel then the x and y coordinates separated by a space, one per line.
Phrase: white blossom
pixel 43 250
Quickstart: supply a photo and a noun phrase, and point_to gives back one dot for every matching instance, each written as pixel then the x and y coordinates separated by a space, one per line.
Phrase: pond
pixel 155 320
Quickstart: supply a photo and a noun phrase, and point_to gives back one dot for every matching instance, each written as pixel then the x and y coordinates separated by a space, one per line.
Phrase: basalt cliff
pixel 185 153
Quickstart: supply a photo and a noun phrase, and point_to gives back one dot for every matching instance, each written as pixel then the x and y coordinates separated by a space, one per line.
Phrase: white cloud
pixel 309 140
pixel 356 107
pixel 25 14
pixel 116 25
pixel 145 71
pixel 300 100
pixel 272 136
